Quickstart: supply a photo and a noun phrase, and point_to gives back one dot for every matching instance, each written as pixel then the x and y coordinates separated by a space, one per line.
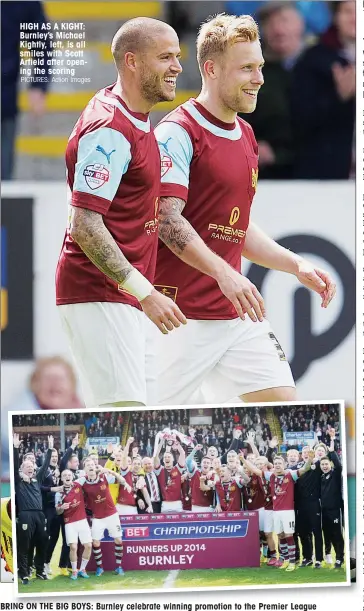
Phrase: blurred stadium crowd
pixel 305 118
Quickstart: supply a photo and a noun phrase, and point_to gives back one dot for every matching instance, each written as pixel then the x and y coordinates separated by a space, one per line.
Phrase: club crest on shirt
pixel 96 175
pixel 254 178
pixel 169 291
pixel 166 164
pixel 77 490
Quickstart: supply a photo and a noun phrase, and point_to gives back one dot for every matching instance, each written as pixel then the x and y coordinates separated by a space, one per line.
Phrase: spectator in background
pixel 323 102
pixel 52 385
pixel 12 15
pixel 282 29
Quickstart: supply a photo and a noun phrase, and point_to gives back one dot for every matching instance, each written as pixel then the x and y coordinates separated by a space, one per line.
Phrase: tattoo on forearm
pixel 90 233
pixel 174 230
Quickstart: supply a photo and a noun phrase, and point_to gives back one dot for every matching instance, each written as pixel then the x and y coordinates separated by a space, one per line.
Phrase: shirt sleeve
pixel 158 471
pixel 294 475
pixel 80 480
pixel 103 157
pixel 176 152
pixel 57 499
pixel 110 478
pixel 267 475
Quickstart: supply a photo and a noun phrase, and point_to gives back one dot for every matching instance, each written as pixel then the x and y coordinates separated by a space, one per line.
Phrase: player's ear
pixel 130 61
pixel 211 69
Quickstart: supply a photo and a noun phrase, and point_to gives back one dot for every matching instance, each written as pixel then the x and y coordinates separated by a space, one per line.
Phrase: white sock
pixel 74 566
pixel 84 563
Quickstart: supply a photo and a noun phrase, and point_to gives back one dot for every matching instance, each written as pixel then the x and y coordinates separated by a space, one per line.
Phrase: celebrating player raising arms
pixel 202 482
pixel 105 517
pixel 134 489
pixel 70 502
pixel 169 476
pixel 209 177
pixel 107 263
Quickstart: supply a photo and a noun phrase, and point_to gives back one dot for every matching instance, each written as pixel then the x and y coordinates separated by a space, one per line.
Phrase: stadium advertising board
pixel 101 441
pixel 294 438
pixel 186 541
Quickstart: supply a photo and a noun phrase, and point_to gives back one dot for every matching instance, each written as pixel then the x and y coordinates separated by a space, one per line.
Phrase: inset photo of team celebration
pixel 154 499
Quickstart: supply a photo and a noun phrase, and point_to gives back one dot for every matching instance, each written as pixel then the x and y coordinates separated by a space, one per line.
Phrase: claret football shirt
pixel 113 168
pixel 213 167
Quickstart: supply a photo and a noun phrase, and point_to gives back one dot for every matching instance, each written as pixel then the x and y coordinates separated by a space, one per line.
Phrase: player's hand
pixel 242 293
pixel 149 509
pixel 141 504
pixel 140 483
pixel 127 487
pixel 316 280
pixel 199 447
pixel 57 488
pixel 345 80
pixel 250 438
pixel 273 443
pixel 130 441
pixel 65 506
pixel 163 312
pixel 50 442
pixel 16 440
pixel 110 448
pixel 75 441
pixel 218 509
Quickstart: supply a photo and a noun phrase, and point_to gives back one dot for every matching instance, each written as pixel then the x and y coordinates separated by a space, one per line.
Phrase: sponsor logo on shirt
pixel 234 216
pixel 227 232
pixel 96 175
pixel 152 226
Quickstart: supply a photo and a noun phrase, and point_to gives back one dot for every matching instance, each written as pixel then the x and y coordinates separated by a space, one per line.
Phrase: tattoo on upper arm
pixel 174 230
pixel 88 230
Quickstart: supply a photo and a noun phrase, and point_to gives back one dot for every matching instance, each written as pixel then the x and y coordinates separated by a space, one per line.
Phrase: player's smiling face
pixel 241 77
pixel 279 466
pixel 168 460
pixel 66 477
pixel 160 68
pixel 205 465
pixel 212 452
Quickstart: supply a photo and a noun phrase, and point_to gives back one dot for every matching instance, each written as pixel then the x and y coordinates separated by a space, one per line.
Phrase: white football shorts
pixel 200 509
pixel 78 531
pixel 126 510
pixel 111 524
pixel 110 348
pixel 171 506
pixel 211 361
pixel 284 521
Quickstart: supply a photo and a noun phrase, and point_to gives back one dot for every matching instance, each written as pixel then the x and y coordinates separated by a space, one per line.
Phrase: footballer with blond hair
pixel 209 178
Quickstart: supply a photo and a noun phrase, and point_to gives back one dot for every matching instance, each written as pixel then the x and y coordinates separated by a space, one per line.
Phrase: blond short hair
pixel 222 31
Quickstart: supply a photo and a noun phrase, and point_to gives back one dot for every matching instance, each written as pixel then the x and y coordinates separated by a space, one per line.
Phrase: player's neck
pixel 214 107
pixel 133 100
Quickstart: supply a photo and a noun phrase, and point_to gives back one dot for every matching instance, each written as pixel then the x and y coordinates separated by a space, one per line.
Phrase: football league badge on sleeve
pixel 96 175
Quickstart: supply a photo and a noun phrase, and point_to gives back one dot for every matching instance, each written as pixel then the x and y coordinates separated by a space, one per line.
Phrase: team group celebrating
pixel 298 498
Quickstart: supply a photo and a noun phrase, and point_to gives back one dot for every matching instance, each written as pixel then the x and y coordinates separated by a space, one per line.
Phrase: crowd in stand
pixel 314 418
